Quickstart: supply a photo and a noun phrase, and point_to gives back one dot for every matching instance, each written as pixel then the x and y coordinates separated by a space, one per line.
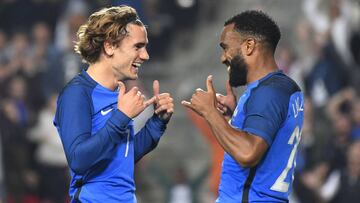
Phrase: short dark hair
pixel 258 25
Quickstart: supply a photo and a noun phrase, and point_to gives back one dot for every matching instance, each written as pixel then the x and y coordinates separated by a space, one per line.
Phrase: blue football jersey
pixel 271 108
pixel 99 141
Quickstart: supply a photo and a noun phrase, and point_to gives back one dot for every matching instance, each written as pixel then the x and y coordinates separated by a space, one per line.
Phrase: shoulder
pixel 279 83
pixel 77 88
pixel 273 94
pixel 277 87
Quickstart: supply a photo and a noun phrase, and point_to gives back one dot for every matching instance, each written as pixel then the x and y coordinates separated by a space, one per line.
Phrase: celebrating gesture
pixel 95 123
pixel 163 105
pixel 203 102
pixel 260 139
pixel 226 104
pixel 133 102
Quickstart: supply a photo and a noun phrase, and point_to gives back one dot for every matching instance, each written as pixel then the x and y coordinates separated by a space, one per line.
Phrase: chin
pixel 133 77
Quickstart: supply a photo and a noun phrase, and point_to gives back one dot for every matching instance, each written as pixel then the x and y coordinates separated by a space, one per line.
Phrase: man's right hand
pixel 133 102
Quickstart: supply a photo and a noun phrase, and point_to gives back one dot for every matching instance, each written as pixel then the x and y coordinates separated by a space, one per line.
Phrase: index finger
pixel 156 87
pixel 150 101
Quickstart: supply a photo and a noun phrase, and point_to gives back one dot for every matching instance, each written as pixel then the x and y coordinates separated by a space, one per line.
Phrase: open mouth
pixel 136 66
pixel 227 64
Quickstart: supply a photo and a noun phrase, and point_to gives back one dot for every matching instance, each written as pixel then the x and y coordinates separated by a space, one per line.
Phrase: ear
pixel 249 46
pixel 108 49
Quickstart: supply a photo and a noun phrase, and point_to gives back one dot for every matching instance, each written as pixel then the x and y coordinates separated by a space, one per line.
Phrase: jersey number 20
pixel 280 185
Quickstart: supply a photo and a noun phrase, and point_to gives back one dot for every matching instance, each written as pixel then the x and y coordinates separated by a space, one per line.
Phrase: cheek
pixel 123 62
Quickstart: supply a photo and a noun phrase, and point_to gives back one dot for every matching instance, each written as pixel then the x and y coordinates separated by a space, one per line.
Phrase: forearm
pixel 239 144
pixel 86 150
pixel 148 137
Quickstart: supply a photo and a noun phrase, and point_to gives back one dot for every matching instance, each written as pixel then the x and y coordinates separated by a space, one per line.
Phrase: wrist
pixel 208 115
pixel 128 114
pixel 158 119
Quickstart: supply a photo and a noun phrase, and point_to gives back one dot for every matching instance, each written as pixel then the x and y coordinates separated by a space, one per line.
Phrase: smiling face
pixel 232 56
pixel 130 53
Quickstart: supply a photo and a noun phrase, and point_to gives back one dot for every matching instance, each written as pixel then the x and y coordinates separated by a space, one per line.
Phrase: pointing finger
pixel 156 87
pixel 150 101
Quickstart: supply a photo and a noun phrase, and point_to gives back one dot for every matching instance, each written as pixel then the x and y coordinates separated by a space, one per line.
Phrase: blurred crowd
pixel 37 59
pixel 324 59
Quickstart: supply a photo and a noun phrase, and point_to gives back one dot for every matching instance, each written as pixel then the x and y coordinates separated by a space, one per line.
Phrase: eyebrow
pixel 222 45
pixel 140 44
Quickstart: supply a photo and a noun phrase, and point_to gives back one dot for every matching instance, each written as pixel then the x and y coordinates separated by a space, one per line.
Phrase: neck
pixel 263 65
pixel 102 73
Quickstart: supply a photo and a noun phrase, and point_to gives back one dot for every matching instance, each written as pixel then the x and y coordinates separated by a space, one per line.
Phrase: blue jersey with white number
pixel 271 108
pixel 99 142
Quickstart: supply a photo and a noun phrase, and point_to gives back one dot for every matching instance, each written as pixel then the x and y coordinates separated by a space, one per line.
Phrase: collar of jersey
pixel 92 81
pixel 255 83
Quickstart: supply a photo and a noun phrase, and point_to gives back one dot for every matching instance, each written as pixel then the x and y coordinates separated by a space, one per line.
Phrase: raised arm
pixel 246 146
pixel 148 137
pixel 73 121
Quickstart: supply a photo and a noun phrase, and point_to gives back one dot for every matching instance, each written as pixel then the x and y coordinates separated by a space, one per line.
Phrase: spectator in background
pixel 17 91
pixel 346 103
pixel 16 54
pixel 4 71
pixel 181 191
pixel 328 76
pixel 179 187
pixel 161 24
pixel 44 70
pixel 349 184
pixel 16 152
pixel 73 17
pixel 335 22
pixel 337 18
pixel 50 156
pixel 3 44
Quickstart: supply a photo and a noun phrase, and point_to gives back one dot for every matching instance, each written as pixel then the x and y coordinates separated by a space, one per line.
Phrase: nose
pixel 144 55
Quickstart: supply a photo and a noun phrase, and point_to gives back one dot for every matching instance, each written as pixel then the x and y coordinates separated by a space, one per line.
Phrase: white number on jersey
pixel 280 185
pixel 127 142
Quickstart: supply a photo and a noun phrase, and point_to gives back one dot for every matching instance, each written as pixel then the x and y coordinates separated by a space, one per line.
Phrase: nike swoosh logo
pixel 105 112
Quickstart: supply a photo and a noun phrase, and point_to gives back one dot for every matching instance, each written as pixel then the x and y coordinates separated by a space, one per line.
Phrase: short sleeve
pixel 265 112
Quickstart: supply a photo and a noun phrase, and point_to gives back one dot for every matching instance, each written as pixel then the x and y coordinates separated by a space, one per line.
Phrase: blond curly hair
pixel 107 24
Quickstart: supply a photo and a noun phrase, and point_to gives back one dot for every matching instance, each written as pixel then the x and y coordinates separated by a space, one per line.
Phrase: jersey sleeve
pixel 73 121
pixel 265 112
pixel 148 137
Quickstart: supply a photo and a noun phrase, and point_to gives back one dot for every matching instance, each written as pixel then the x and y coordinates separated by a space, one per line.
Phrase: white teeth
pixel 137 64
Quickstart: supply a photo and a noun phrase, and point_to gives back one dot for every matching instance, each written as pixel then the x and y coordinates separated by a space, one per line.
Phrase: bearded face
pixel 238 71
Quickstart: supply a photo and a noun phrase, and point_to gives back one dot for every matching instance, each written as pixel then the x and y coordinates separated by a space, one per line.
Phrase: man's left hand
pixel 164 104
